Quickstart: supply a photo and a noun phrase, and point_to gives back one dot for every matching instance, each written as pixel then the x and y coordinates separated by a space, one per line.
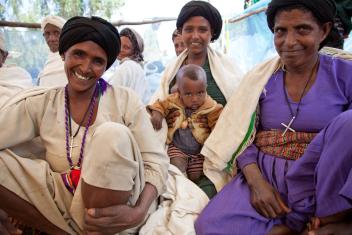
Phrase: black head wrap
pixel 79 29
pixel 204 9
pixel 137 43
pixel 323 10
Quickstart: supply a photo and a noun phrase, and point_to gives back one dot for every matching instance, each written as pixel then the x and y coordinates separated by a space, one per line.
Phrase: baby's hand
pixel 156 120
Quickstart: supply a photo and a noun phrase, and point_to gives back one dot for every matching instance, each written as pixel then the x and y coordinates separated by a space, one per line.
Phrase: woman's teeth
pixel 81 77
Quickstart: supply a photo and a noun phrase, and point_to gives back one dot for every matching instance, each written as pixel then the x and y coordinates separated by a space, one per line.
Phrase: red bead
pixel 75 175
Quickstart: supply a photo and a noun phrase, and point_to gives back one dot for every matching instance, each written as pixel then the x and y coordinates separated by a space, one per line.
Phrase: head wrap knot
pixel 79 29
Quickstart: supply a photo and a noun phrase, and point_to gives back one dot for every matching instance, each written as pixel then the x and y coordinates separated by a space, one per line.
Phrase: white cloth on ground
pixel 179 208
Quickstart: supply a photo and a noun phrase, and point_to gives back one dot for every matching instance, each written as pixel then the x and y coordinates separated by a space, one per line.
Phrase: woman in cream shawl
pixel 200 23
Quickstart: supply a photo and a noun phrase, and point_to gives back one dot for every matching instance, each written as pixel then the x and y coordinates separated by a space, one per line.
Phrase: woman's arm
pixel 19 119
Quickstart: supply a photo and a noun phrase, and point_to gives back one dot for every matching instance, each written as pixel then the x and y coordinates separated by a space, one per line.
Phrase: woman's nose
pixel 85 67
pixel 291 39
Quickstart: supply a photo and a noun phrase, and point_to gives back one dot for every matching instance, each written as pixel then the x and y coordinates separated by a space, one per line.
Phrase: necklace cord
pixel 304 89
pixel 90 110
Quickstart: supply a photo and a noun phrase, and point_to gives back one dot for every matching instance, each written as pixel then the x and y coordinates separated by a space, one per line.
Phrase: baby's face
pixel 192 93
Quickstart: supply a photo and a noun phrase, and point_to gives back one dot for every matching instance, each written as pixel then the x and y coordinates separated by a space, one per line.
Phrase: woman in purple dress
pixel 273 193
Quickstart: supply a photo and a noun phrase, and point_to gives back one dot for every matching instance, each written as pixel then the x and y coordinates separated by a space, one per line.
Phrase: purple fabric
pixel 330 154
pixel 230 211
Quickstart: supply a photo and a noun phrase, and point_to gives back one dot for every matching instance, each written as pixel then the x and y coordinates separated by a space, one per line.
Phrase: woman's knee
pixel 114 133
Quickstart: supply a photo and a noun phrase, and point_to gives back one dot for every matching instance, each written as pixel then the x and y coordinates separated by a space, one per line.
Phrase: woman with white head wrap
pixel 53 73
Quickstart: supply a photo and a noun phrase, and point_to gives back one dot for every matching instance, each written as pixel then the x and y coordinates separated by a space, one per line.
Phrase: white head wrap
pixel 54 20
pixel 2 42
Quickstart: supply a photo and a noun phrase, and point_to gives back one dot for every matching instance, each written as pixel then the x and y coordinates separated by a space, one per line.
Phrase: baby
pixel 187 136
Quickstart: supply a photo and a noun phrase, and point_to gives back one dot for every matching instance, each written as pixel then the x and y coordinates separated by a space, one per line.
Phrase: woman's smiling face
pixel 85 63
pixel 196 34
pixel 297 36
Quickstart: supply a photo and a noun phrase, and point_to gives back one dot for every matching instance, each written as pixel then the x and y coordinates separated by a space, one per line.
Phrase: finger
pixel 280 206
pixel 103 212
pixel 272 213
pixel 317 223
pixel 262 210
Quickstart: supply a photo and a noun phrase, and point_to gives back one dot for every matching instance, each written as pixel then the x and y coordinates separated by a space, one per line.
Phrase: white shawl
pixel 12 80
pixel 232 126
pixel 131 74
pixel 53 73
pixel 225 72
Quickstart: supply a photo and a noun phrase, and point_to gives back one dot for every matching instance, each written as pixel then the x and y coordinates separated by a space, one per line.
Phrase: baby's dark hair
pixel 193 72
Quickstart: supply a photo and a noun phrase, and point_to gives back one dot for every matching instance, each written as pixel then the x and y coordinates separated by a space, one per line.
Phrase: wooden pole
pixel 118 23
pixel 242 17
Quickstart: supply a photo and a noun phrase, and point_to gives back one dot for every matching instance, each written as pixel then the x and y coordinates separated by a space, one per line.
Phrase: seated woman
pixel 200 23
pixel 297 94
pixel 130 71
pixel 91 131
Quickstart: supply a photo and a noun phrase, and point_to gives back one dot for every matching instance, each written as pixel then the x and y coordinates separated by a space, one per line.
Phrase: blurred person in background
pixel 53 73
pixel 130 72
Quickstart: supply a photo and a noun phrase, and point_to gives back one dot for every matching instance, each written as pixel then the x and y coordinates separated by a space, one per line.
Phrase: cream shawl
pixel 225 72
pixel 53 73
pixel 12 80
pixel 234 122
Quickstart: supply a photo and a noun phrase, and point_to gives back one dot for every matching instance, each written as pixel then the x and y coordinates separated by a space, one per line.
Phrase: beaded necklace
pixel 71 178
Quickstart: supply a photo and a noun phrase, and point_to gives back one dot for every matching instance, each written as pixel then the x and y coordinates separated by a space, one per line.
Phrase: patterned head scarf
pixel 204 9
pixel 79 29
pixel 54 20
pixel 323 10
pixel 137 44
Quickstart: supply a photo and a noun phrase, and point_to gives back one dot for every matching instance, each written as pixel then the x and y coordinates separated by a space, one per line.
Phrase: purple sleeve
pixel 248 156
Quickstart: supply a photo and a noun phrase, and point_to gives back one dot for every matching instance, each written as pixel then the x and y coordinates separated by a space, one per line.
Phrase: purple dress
pixel 230 211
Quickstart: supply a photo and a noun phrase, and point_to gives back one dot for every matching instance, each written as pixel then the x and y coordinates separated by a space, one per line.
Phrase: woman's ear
pixel 326 29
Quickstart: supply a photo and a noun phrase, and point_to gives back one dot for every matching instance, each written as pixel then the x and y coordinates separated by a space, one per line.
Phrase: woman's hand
pixel 156 119
pixel 114 219
pixel 203 122
pixel 171 117
pixel 267 201
pixel 111 220
pixel 264 198
pixel 6 228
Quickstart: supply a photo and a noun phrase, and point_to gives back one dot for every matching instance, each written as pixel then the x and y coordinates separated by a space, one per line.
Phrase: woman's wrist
pixel 252 174
pixel 146 198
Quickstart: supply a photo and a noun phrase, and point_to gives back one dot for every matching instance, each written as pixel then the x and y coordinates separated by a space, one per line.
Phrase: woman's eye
pixel 78 53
